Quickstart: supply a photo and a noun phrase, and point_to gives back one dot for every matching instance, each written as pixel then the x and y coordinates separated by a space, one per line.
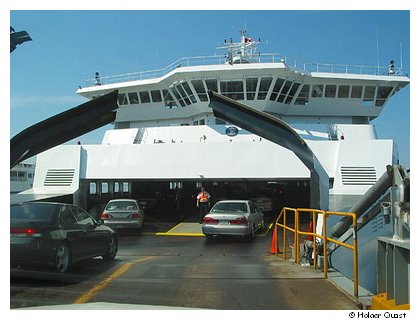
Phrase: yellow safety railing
pixel 297 233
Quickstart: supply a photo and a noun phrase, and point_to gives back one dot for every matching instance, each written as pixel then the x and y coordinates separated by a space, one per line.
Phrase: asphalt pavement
pixel 160 272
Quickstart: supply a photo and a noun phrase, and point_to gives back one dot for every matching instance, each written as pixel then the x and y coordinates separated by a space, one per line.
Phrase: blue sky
pixel 69 46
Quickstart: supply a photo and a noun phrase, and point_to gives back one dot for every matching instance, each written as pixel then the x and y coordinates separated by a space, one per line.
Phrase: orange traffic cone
pixel 274 248
pixel 311 229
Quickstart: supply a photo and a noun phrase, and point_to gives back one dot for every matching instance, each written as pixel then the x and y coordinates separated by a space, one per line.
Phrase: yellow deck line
pixel 171 232
pixel 103 284
pixel 171 228
pixel 184 234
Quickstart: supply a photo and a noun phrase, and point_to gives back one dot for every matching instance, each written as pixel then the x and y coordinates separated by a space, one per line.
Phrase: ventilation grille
pixel 59 178
pixel 358 175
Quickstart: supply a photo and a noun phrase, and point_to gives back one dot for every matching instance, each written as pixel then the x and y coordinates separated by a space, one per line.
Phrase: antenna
pixel 401 59
pixel 377 49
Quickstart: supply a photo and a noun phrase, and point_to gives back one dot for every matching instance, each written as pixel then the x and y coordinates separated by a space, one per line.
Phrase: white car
pixel 123 214
pixel 233 217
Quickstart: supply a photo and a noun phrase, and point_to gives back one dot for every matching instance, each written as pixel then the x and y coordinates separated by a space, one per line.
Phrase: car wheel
pixel 251 236
pixel 209 237
pixel 112 248
pixel 63 258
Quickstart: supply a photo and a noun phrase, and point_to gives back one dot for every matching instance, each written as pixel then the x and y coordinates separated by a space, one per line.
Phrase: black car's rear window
pixel 32 211
pixel 229 207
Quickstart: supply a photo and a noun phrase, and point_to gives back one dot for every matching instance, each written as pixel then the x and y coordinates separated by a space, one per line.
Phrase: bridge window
pixel 177 96
pixel 232 89
pixel 189 92
pixel 122 99
pixel 330 91
pixel 303 96
pixel 382 95
pixel 284 91
pixel 168 99
pixel 369 96
pixel 212 85
pixel 317 91
pixel 292 93
pixel 133 98
pixel 183 94
pixel 199 88
pixel 144 97
pixel 264 87
pixel 343 91
pixel 156 96
pixel 251 88
pixel 356 92
pixel 276 89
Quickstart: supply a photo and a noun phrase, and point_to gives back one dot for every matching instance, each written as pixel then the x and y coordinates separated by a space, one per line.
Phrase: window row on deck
pixel 184 93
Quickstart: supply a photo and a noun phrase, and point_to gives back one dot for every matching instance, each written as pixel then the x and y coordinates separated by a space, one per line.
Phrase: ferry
pixel 166 142
pixel 166 135
pixel 22 177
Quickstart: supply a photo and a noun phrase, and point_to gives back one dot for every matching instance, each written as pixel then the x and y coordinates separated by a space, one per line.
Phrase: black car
pixel 57 235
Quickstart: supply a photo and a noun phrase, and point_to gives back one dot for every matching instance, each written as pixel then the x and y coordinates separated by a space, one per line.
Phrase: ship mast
pixel 241 52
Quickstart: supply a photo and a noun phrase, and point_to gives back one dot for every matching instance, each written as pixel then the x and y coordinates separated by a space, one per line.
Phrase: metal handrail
pixel 255 58
pixel 349 69
pixel 297 232
pixel 182 62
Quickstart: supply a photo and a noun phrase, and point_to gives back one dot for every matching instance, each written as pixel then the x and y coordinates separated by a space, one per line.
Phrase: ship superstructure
pixel 165 134
pixel 318 93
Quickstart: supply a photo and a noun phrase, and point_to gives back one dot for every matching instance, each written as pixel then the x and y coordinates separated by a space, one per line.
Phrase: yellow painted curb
pixel 179 234
pixel 380 302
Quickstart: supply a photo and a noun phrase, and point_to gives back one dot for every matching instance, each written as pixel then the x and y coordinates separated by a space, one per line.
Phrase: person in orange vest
pixel 203 203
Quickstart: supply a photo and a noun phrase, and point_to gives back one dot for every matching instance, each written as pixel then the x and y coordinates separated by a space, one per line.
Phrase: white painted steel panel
pixel 217 160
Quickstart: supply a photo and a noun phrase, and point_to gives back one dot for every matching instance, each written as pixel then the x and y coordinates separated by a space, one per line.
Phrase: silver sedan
pixel 123 214
pixel 233 217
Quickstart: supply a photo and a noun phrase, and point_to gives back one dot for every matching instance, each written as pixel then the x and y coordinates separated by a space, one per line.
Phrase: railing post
pixel 284 233
pixel 315 251
pixel 355 258
pixel 324 234
pixel 296 235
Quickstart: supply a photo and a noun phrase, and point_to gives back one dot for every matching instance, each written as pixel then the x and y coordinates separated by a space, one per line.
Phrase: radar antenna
pixel 241 52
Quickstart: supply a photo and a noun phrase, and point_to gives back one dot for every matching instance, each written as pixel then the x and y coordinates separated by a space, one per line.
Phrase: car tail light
pixel 105 216
pixel 135 216
pixel 210 220
pixel 25 232
pixel 241 220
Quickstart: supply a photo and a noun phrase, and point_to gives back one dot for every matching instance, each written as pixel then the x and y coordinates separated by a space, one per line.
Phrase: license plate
pixel 224 222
